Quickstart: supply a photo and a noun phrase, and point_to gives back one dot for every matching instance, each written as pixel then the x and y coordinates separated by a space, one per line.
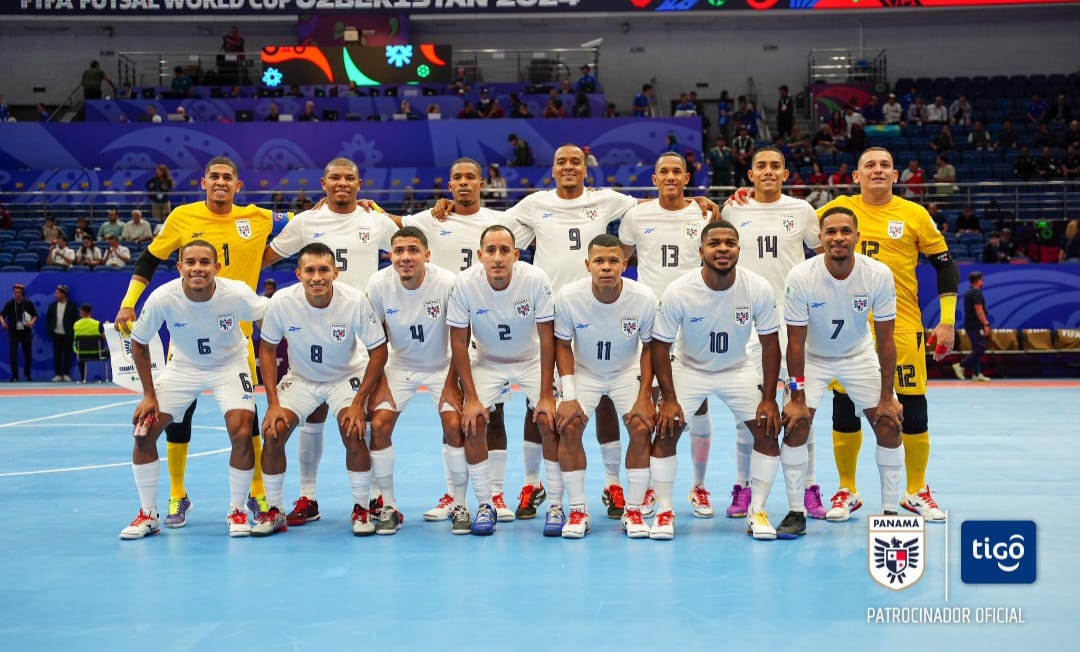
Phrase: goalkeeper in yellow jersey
pixel 895 231
pixel 240 234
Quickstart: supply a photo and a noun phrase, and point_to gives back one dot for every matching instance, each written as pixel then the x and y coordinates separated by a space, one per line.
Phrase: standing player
pixel 829 298
pixel 203 314
pixel 239 234
pixel 324 322
pixel 666 232
pixel 355 235
pixel 776 228
pixel 508 308
pixel 599 322
pixel 712 313
pixel 411 299
pixel 895 231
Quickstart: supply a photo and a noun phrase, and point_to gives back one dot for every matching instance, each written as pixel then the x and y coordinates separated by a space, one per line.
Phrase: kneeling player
pixel 324 322
pixel 208 352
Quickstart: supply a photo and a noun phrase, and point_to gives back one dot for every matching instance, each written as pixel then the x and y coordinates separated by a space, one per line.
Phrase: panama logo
pixel 692 230
pixel 895 550
pixel 226 322
pixel 363 234
pixel 742 315
pixel 591 212
pixel 243 227
pixel 338 332
pixel 896 230
pixel 788 222
pixel 860 302
pixel 432 308
pixel 630 326
pixel 522 308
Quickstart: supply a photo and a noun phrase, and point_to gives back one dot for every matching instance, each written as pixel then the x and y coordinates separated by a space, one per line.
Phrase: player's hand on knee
pixel 567 412
pixel 670 419
pixel 768 417
pixel 889 413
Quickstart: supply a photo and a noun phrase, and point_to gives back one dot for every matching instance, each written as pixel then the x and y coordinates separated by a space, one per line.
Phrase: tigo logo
pixel 998 552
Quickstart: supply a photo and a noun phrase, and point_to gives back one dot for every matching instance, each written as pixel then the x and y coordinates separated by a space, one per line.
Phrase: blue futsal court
pixel 1003 451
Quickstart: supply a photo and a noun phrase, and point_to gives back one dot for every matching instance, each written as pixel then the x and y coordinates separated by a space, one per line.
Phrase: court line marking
pixel 92 467
pixel 112 425
pixel 108 406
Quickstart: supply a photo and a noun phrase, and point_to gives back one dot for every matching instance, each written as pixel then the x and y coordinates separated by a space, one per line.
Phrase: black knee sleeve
pixel 844 417
pixel 915 417
pixel 255 429
pixel 179 432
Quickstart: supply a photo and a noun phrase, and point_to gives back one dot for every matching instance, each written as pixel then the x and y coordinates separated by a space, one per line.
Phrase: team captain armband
pixel 797 383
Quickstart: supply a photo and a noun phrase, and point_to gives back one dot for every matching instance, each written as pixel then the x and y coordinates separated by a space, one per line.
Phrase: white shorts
pixel 737 387
pixel 622 390
pixel 404 383
pixel 302 397
pixel 493 380
pixel 179 384
pixel 860 374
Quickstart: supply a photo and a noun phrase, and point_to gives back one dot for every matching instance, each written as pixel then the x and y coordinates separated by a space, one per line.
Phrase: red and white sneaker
pixel 503 513
pixel 441 511
pixel 633 524
pixel 239 525
pixel 922 503
pixel 577 526
pixel 615 501
pixel 362 524
pixel 844 502
pixel 531 497
pixel 145 524
pixel 648 504
pixel 664 526
pixel 305 510
pixel 699 498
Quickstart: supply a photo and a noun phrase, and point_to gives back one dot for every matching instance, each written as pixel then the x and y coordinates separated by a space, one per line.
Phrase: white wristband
pixel 567 389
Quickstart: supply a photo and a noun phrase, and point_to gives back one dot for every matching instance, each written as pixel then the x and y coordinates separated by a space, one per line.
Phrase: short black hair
pixel 315 249
pixel 409 232
pixel 193 243
pixel 497 227
pixel 838 210
pixel 718 224
pixel 605 240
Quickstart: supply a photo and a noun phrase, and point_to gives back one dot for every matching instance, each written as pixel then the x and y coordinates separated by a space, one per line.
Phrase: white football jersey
pixel 503 322
pixel 606 336
pixel 563 228
pixel 453 242
pixel 713 327
pixel 205 334
pixel 355 238
pixel 667 242
pixel 324 343
pixel 835 312
pixel 415 320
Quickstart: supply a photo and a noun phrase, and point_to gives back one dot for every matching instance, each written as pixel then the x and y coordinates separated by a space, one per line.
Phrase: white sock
pixel 360 481
pixel 663 470
pixel 497 468
pixel 382 472
pixel 446 469
pixel 459 473
pixel 700 443
pixel 811 479
pixel 147 477
pixel 480 475
pixel 794 459
pixel 532 453
pixel 575 487
pixel 309 451
pixel 890 463
pixel 637 482
pixel 744 447
pixel 763 470
pixel 553 475
pixel 239 483
pixel 611 455
pixel 275 489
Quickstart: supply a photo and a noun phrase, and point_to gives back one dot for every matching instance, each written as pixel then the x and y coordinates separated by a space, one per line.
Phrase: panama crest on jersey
pixel 692 230
pixel 363 234
pixel 338 332
pixel 788 222
pixel 896 229
pixel 226 322
pixel 860 301
pixel 591 212
pixel 630 326
pixel 432 308
pixel 742 315
pixel 243 227
pixel 522 308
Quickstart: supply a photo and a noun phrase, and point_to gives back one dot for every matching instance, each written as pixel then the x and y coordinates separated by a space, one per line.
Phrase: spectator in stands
pixel 111 226
pixel 18 318
pixel 856 141
pixel 1008 245
pixel 294 91
pixel 838 126
pixel 587 83
pixel 1070 243
pixel 590 159
pixel 799 148
pixel 6 220
pixel 1037 109
pixel 912 178
pixel 751 118
pixel 566 89
pixel 483 105
pixel 468 112
pixel 406 109
pixel 796 185
pixel 1007 138
pixel 308 114
pixel 184 115
pixel 1071 138
pixel 137 230
pixel 671 143
pixel 725 109
pixel 992 252
pixel 934 209
pixel 434 112
pixel 1025 166
pixel 684 105
pixel 693 165
pixel 911 97
pixel 960 112
pixel 824 142
pixel 43 114
pixel 92 78
pixel 234 91
pixel 1047 166
pixel 60 254
pixel 278 203
pixel 610 111
pixel 409 203
pixel 785 112
pixel 126 92
pixel 116 255
pixel 158 188
pixel 233 41
pixel 151 114
pixel 943 140
pixel 979 138
pixel 840 181
pixel 977 325
pixel 916 112
pixel 581 108
pixel 521 154
pixel 967 222
pixel 272 114
pixel 1043 137
pixel 495 195
pixel 521 111
pixel 460 83
pixel 944 178
pixel 60 318
pixel 936 113
pixel 742 148
pixel 720 159
pixel 872 111
pixel 1060 110
pixel 51 231
pixel 88 254
pixel 301 203
pixel 643 102
pixel 1070 165
pixel 181 83
pixel 892 113
pixel 554 108
pixel 82 228
pixel 853 118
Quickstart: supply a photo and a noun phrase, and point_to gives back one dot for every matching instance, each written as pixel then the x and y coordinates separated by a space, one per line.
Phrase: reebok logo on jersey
pixel 179 324
pixel 544 216
pixel 482 311
pixel 445 232
pixel 197 234
pixel 817 304
pixel 649 230
pixel 744 223
pixel 392 311
pixel 694 320
pixel 581 326
pixel 295 329
pixel 317 235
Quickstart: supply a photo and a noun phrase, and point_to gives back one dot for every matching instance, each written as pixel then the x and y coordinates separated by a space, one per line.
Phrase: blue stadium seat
pixel 51 268
pixel 28 260
pixel 12 268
